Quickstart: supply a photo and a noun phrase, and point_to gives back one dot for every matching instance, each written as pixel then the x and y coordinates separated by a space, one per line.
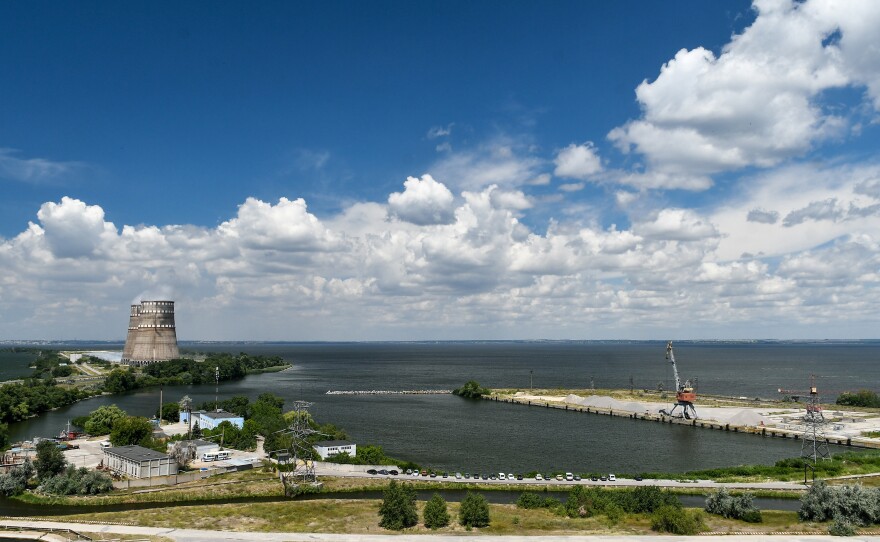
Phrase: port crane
pixel 684 392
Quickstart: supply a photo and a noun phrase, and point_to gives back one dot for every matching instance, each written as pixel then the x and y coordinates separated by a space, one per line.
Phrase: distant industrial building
pixel 152 335
pixel 211 419
pixel 326 448
pixel 139 462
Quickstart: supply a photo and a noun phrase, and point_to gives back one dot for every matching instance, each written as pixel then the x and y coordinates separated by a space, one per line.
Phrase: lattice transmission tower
pixel 298 457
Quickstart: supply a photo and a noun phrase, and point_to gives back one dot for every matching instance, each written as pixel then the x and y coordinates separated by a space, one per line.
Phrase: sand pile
pixel 746 417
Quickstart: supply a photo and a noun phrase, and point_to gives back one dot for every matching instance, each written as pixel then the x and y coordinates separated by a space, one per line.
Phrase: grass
pixel 361 517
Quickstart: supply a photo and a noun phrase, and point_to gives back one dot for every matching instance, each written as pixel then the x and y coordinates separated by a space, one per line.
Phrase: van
pixel 223 456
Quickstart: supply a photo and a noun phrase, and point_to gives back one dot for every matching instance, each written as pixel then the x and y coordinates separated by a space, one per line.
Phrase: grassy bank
pixel 361 517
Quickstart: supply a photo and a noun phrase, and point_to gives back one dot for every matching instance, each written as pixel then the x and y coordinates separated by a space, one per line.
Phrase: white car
pixel 458 476
pixel 612 478
pixel 502 476
pixel 538 476
pixel 569 477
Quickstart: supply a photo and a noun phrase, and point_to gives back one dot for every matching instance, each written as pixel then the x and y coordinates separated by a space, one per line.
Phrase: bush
pixel 15 482
pixel 676 520
pixel 842 527
pixel 474 511
pixel 435 514
pixel 861 398
pixel 529 501
pixel 471 390
pixel 398 510
pixel 75 481
pixel 730 506
pixel 856 504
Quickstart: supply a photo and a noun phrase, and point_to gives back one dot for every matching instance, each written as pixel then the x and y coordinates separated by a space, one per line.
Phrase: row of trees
pixel 861 398
pixel 398 510
pixel 34 396
pixel 124 430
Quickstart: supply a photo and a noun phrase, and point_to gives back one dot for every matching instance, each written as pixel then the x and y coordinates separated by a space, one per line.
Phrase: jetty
pixel 388 392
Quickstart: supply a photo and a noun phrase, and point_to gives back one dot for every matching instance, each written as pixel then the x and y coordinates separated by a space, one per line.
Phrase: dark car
pixel 493 477
pixel 393 472
pixel 603 478
pixel 372 471
pixel 577 478
pixel 446 475
pixel 485 476
pixel 433 474
pixel 519 476
pixel 638 478
pixel 383 471
pixel 467 475
pixel 594 478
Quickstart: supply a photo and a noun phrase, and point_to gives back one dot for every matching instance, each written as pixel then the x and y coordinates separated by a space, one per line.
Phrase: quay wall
pixel 772 432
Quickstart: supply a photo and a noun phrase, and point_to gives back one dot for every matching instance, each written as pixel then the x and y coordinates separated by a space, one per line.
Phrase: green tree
pixel 4 435
pixel 120 380
pixel 474 511
pixel 49 461
pixel 398 510
pixel 170 412
pixel 471 390
pixel 435 514
pixel 101 420
pixel 131 430
pixel 62 370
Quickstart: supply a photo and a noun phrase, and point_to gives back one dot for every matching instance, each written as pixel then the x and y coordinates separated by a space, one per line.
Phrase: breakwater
pixel 388 392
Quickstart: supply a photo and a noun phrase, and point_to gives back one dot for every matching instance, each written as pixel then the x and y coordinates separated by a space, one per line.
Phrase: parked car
pixel 493 477
pixel 569 477
pixel 539 476
pixel 446 475
pixel 559 478
pixel 594 478
pixel 486 477
pixel 393 472
pixel 603 478
pixel 502 476
pixel 372 471
pixel 424 472
pixel 577 478
pixel 467 476
pixel 519 476
pixel 458 476
pixel 384 472
pixel 638 478
pixel 612 478
pixel 433 474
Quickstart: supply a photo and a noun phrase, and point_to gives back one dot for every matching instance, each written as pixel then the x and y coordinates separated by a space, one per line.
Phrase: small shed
pixel 326 448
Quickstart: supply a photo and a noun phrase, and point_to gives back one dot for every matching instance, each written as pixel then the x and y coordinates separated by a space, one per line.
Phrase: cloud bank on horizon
pixel 487 242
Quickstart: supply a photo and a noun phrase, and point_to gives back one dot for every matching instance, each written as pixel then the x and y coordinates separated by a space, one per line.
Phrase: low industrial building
pixel 138 462
pixel 326 448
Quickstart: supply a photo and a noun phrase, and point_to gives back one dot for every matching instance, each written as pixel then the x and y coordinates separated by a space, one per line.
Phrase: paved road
pixel 194 535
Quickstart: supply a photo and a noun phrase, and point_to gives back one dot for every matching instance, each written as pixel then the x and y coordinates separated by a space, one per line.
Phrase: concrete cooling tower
pixel 151 335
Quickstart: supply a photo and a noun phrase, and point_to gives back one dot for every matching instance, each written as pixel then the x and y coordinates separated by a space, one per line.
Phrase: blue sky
pixel 579 170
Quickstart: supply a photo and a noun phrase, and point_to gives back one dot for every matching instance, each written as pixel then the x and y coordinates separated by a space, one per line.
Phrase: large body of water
pixel 451 433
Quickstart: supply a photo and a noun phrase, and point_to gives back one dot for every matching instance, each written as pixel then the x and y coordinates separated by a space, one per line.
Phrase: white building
pixel 139 462
pixel 199 447
pixel 326 448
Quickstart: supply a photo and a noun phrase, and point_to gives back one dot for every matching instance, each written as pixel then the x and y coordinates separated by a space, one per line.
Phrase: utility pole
pixel 161 390
pixel 531 381
pixel 217 389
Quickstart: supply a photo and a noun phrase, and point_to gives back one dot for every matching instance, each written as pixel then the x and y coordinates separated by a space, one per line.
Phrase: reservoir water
pixel 450 433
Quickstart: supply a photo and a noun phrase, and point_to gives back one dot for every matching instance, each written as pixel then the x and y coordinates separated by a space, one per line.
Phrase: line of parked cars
pixel 568 476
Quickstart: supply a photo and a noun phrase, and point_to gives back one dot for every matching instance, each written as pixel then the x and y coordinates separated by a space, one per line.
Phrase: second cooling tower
pixel 152 335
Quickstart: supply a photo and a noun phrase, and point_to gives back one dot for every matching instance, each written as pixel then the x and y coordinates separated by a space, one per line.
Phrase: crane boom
pixel 671 357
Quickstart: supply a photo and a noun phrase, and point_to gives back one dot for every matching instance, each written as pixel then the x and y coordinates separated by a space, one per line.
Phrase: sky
pixel 441 170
